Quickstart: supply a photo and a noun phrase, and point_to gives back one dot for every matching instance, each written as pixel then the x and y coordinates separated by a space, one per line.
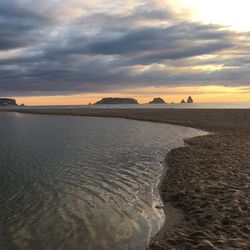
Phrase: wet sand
pixel 207 181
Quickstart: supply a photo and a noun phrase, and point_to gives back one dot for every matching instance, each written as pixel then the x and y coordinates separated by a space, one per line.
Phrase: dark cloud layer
pixel 104 51
pixel 19 26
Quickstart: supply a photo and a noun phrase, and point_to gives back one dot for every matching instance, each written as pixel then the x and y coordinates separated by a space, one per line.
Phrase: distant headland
pixel 7 102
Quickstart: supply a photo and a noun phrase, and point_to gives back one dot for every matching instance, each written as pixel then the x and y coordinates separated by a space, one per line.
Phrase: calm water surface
pixel 211 105
pixel 81 182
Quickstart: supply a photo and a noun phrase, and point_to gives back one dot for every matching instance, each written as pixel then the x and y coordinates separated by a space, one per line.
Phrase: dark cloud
pixel 171 38
pixel 103 51
pixel 19 26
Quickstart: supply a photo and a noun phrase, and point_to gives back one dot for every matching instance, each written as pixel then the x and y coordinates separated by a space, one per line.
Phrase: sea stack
pixel 111 100
pixel 183 101
pixel 190 99
pixel 157 100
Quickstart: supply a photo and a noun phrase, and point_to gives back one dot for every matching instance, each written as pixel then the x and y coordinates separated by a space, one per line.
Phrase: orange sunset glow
pixel 175 95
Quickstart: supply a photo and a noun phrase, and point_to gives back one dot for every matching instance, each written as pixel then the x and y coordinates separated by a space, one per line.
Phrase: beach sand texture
pixel 208 179
pixel 209 182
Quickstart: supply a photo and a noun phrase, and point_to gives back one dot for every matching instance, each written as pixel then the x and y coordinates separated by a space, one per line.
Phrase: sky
pixel 55 52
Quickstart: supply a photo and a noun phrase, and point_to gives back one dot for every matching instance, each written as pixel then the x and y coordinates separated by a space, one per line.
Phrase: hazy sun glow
pixel 234 13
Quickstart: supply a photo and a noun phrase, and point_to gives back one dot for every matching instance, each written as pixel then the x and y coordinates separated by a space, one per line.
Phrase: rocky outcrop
pixel 157 100
pixel 190 99
pixel 111 100
pixel 7 102
pixel 183 101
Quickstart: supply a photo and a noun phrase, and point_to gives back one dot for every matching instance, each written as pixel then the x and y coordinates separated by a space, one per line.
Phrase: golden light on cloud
pixel 233 13
pixel 171 69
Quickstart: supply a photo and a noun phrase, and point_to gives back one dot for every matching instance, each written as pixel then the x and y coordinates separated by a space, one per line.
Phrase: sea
pixel 82 182
pixel 211 105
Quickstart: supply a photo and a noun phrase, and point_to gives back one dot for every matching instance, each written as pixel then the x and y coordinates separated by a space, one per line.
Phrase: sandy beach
pixel 208 180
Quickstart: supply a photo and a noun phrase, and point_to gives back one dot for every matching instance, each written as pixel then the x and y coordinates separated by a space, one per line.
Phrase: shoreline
pixel 208 179
pixel 210 120
pixel 172 215
pixel 216 212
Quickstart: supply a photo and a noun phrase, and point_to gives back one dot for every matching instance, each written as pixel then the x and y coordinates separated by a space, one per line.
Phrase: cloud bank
pixel 68 47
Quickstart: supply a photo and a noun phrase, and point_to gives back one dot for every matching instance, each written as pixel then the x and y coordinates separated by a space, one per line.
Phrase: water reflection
pixel 81 183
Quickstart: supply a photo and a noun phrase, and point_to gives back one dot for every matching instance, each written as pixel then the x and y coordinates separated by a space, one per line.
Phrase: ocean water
pixel 81 182
pixel 225 105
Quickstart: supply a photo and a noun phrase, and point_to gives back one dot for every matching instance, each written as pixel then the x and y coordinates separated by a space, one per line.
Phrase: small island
pixel 190 99
pixel 7 102
pixel 157 100
pixel 111 100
